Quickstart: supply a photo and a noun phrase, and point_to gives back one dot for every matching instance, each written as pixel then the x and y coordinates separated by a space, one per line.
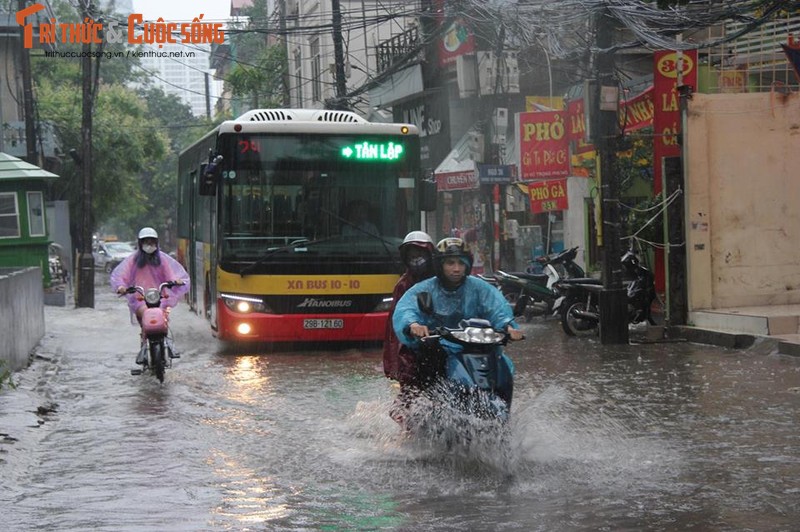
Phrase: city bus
pixel 289 222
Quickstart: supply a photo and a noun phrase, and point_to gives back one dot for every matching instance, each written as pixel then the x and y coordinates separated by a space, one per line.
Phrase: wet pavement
pixel 641 437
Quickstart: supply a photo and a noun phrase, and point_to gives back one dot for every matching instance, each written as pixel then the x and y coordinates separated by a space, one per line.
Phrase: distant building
pixel 183 70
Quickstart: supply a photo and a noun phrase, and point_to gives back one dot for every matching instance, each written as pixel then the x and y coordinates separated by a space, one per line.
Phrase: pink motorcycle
pixel 156 352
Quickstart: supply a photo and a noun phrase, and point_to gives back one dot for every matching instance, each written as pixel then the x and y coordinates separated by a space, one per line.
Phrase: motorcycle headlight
pixel 244 304
pixel 152 296
pixel 478 335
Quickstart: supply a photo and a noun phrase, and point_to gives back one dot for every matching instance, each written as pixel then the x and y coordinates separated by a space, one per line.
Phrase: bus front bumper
pixel 258 327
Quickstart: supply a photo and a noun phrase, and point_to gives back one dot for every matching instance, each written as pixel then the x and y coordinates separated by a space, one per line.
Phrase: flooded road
pixel 657 436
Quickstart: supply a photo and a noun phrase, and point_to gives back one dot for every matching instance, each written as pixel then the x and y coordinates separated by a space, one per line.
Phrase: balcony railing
pixel 400 46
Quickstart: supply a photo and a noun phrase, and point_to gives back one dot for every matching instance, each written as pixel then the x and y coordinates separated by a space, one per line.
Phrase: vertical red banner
pixel 666 114
pixel 667 121
pixel 543 145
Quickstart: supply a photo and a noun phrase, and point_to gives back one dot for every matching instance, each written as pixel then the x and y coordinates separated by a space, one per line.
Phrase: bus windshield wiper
pixel 301 242
pixel 360 230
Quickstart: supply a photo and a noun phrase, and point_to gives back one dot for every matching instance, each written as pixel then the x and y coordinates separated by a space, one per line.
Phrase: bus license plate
pixel 323 324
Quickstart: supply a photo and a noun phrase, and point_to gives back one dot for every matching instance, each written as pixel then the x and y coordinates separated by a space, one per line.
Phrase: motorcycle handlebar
pixel 139 289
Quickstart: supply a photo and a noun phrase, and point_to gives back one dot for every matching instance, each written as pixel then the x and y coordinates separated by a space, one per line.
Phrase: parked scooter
pixel 156 349
pixel 477 386
pixel 579 306
pixel 538 290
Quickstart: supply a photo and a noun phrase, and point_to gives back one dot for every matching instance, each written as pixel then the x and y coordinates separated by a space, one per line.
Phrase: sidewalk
pixel 739 327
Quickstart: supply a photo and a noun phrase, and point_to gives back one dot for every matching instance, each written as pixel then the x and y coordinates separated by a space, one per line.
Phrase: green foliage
pixel 646 221
pixel 137 134
pixel 261 83
pixel 257 77
pixel 634 160
pixel 5 376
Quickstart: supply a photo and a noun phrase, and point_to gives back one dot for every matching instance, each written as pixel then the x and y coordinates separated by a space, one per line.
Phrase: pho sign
pixel 548 196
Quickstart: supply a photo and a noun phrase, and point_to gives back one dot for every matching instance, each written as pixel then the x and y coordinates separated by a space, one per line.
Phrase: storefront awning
pixel 457 170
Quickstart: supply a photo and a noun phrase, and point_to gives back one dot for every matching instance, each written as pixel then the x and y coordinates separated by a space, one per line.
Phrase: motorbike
pixel 474 384
pixel 538 289
pixel 156 343
pixel 579 305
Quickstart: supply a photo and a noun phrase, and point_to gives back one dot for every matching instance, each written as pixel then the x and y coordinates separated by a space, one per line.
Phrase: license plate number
pixel 323 324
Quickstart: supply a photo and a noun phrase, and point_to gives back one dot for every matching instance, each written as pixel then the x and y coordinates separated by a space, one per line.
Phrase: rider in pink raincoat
pixel 149 267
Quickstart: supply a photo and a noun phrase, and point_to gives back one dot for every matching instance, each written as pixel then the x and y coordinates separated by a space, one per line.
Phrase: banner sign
pixel 543 145
pixel 667 116
pixel 496 174
pixel 456 40
pixel 448 181
pixel 637 113
pixel 548 196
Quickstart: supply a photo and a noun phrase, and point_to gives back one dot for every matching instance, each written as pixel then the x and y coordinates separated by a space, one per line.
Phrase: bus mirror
pixel 209 176
pixel 427 195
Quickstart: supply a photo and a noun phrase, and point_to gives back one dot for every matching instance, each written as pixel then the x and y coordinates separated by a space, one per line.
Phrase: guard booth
pixel 23 228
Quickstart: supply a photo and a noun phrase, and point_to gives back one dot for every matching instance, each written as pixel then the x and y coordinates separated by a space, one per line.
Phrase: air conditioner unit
pixel 466 76
pixel 499 125
pixel 512 229
pixel 498 77
pixel 476 146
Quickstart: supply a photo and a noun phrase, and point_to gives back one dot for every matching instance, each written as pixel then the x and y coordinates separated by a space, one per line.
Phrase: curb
pixel 707 336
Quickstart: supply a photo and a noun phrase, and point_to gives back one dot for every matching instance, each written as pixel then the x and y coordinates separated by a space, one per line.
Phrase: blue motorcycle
pixel 470 380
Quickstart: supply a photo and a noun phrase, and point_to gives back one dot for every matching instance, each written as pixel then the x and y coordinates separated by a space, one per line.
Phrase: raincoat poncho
pixel 150 276
pixel 475 298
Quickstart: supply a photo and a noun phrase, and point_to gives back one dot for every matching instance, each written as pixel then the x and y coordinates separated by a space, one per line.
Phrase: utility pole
pixel 613 297
pixel 27 97
pixel 85 295
pixel 287 99
pixel 338 52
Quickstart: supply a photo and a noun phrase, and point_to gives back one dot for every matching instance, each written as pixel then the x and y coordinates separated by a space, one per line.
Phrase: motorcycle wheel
pixel 573 325
pixel 157 359
pixel 510 296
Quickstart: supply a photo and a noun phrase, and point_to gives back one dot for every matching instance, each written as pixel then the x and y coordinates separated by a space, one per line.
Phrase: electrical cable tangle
pixel 532 23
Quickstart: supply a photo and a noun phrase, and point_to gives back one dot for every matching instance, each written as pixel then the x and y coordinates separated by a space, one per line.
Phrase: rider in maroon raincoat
pixel 399 364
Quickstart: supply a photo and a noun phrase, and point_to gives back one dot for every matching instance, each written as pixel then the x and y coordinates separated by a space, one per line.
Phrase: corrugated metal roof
pixel 13 168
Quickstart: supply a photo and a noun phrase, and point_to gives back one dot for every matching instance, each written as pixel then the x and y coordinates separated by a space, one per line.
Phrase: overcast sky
pixel 183 10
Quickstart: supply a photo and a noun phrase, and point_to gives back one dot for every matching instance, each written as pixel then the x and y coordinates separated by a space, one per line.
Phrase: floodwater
pixel 638 437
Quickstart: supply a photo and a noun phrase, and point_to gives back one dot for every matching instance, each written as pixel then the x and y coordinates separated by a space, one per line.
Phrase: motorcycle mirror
pixel 522 303
pixel 210 174
pixel 425 303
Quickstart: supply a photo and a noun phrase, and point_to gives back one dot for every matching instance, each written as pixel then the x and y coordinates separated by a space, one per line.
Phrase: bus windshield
pixel 323 195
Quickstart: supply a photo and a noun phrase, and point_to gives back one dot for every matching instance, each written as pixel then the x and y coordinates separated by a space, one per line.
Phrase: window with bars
pixel 9 215
pixel 316 70
pixel 298 76
pixel 755 61
pixel 36 214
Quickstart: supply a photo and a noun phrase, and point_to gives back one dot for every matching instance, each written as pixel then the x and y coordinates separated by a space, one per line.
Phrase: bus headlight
pixel 244 304
pixel 384 305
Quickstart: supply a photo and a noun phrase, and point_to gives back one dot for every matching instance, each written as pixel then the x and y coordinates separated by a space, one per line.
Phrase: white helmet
pixel 148 232
pixel 420 237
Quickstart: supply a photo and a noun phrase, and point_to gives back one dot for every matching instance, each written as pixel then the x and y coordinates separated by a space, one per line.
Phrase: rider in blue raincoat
pixel 456 295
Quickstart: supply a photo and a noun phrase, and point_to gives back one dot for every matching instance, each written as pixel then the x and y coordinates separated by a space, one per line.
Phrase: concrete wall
pixel 743 200
pixel 21 315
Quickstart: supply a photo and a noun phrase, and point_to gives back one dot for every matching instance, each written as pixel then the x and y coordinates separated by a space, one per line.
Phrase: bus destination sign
pixel 373 151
